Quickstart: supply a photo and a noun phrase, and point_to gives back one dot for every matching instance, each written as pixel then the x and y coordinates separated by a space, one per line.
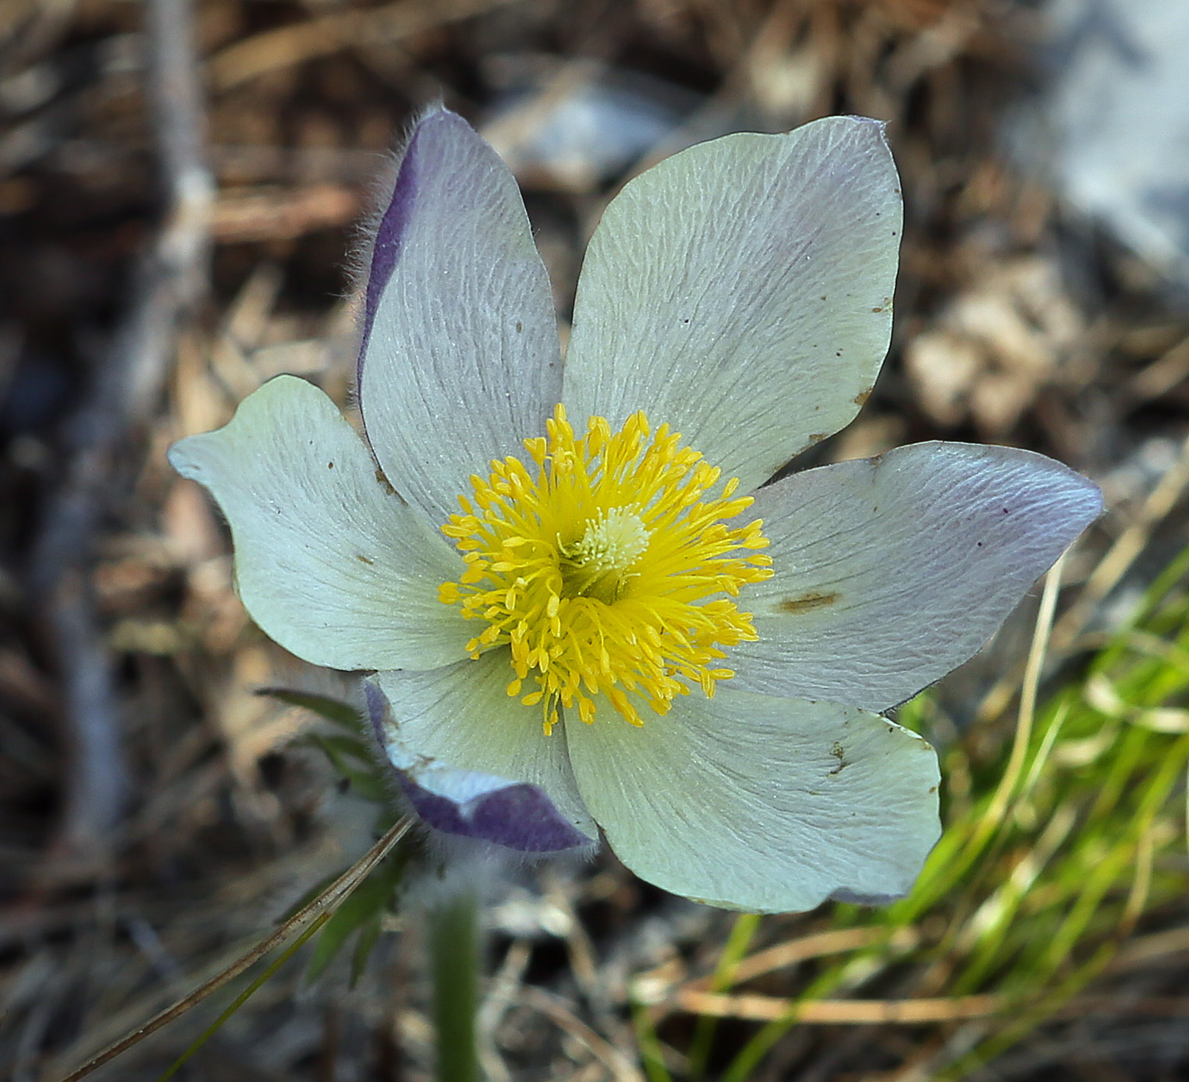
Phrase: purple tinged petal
pixel 890 572
pixel 473 805
pixel 519 817
pixel 389 238
pixel 460 360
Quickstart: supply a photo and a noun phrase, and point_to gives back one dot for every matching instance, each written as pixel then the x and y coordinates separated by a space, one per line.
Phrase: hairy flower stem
pixel 455 950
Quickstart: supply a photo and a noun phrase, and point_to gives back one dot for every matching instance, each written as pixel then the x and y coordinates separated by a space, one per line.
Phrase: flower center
pixel 596 565
pixel 607 570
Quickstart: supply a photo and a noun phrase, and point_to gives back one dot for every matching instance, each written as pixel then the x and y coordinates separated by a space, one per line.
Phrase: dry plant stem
pixel 501 990
pixel 1106 576
pixel 1123 553
pixel 1008 785
pixel 612 1059
pixel 986 836
pixel 321 907
pixel 247 994
pixel 817 945
pixel 169 280
pixel 841 1012
pixel 274 50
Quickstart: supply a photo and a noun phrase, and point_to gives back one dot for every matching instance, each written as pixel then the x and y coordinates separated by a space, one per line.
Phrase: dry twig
pixel 169 280
pixel 319 909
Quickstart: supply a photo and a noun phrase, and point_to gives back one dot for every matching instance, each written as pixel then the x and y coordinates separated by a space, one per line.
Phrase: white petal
pixel 741 291
pixel 762 804
pixel 471 804
pixel 460 362
pixel 461 718
pixel 329 562
pixel 889 572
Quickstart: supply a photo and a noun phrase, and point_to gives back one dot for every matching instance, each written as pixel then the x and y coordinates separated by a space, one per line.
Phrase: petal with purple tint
pixel 328 561
pixel 514 815
pixel 460 359
pixel 759 803
pixel 889 572
pixel 741 292
pixel 459 737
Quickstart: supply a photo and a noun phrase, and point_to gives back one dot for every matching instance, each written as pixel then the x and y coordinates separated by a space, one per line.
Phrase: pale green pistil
pixel 597 564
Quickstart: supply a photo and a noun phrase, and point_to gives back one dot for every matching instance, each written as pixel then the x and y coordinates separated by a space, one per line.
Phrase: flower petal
pixel 329 562
pixel 759 803
pixel 741 291
pixel 460 359
pixel 469 804
pixel 458 736
pixel 889 572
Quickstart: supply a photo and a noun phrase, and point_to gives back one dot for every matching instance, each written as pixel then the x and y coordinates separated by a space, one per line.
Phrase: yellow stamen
pixel 607 569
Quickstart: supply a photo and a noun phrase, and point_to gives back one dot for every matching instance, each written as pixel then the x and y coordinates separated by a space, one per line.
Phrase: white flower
pixel 610 630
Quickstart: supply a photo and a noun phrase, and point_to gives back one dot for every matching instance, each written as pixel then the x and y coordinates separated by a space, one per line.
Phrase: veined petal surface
pixel 763 804
pixel 460 359
pixel 460 719
pixel 741 292
pixel 470 804
pixel 329 561
pixel 889 572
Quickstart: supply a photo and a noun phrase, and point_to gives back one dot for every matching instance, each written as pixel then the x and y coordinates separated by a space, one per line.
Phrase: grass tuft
pixel 1056 849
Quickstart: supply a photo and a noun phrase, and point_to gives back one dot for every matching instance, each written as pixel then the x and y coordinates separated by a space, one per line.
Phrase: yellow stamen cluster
pixel 607 569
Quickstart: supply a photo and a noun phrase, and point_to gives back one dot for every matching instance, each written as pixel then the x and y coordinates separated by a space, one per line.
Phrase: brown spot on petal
pixel 364 559
pixel 806 603
pixel 817 437
pixel 384 481
pixel 862 396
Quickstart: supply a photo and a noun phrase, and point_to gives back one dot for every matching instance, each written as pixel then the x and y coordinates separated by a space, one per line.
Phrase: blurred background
pixel 180 182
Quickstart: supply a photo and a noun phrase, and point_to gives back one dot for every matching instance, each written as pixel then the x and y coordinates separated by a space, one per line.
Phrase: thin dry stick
pixel 1028 692
pixel 270 214
pixel 169 280
pixel 841 1012
pixel 1137 898
pixel 1143 950
pixel 1122 554
pixel 500 995
pixel 327 34
pixel 817 945
pixel 616 1063
pixel 326 902
pixel 1162 375
pixel 1009 784
pixel 1105 577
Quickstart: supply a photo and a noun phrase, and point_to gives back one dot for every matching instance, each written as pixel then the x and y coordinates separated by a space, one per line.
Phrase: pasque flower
pixel 580 598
